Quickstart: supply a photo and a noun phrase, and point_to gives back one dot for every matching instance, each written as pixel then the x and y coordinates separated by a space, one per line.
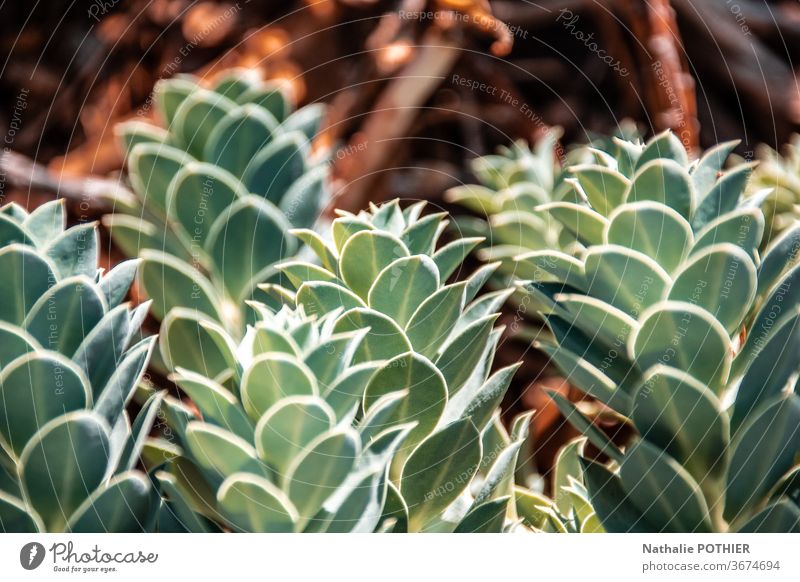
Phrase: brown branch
pixel 100 193
pixel 670 87
pixel 371 149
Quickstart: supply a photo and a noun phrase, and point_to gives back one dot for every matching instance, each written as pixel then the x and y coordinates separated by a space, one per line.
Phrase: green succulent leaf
pixel 63 464
pixel 439 470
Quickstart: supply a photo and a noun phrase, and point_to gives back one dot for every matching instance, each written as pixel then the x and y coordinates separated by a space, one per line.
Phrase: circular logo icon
pixel 31 555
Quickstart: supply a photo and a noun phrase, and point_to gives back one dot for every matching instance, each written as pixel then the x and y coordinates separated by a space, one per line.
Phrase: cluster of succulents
pixel 217 189
pixel 515 187
pixel 781 175
pixel 70 359
pixel 365 403
pixel 673 319
pixel 341 378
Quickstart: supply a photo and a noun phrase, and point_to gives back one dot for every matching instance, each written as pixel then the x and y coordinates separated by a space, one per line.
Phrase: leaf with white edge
pixel 723 197
pixel 461 355
pixel 743 227
pixel 478 199
pixel 116 283
pixel 320 470
pixel 587 378
pixel 219 453
pixel 76 251
pixel 653 229
pixel 346 393
pixel 381 415
pixel 781 517
pixel 402 286
pixel 118 391
pixel 270 96
pixel 681 416
pixel 439 470
pixel 299 272
pixel 544 265
pixel 706 173
pixel 238 136
pixel 272 377
pixel 188 343
pixel 770 371
pixel 217 405
pixel 47 222
pixel 668 497
pixel 435 318
pixel 384 340
pixel 198 195
pixel 35 389
pixel 449 257
pixel 611 360
pixel 12 232
pixel 332 357
pixel 322 248
pixel 665 145
pixel 345 226
pixel 172 283
pixel 235 83
pixel 488 517
pixel 499 480
pixel 65 314
pixel 785 291
pixel 151 168
pixel 604 188
pixel 284 431
pixel 365 255
pixel 420 237
pixel 272 171
pixel 664 181
pixel 126 504
pixel 23 268
pixel 306 120
pixel 614 507
pixel 627 279
pixel 197 117
pixel 16 518
pixel 596 436
pixel 133 235
pixel 782 253
pixel 321 297
pixel 686 337
pixel 427 392
pixel 567 470
pixel 357 505
pixel 587 225
pixel 480 403
pixel 247 242
pixel 596 318
pixel 306 197
pixel 267 339
pixel 764 449
pixel 140 430
pixel 63 463
pixel 170 93
pixel 722 280
pixel 15 342
pixel 251 503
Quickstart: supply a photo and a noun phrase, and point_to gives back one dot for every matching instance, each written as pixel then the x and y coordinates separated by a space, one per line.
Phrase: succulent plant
pixel 669 312
pixel 217 190
pixel 365 404
pixel 781 174
pixel 70 359
pixel 513 183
